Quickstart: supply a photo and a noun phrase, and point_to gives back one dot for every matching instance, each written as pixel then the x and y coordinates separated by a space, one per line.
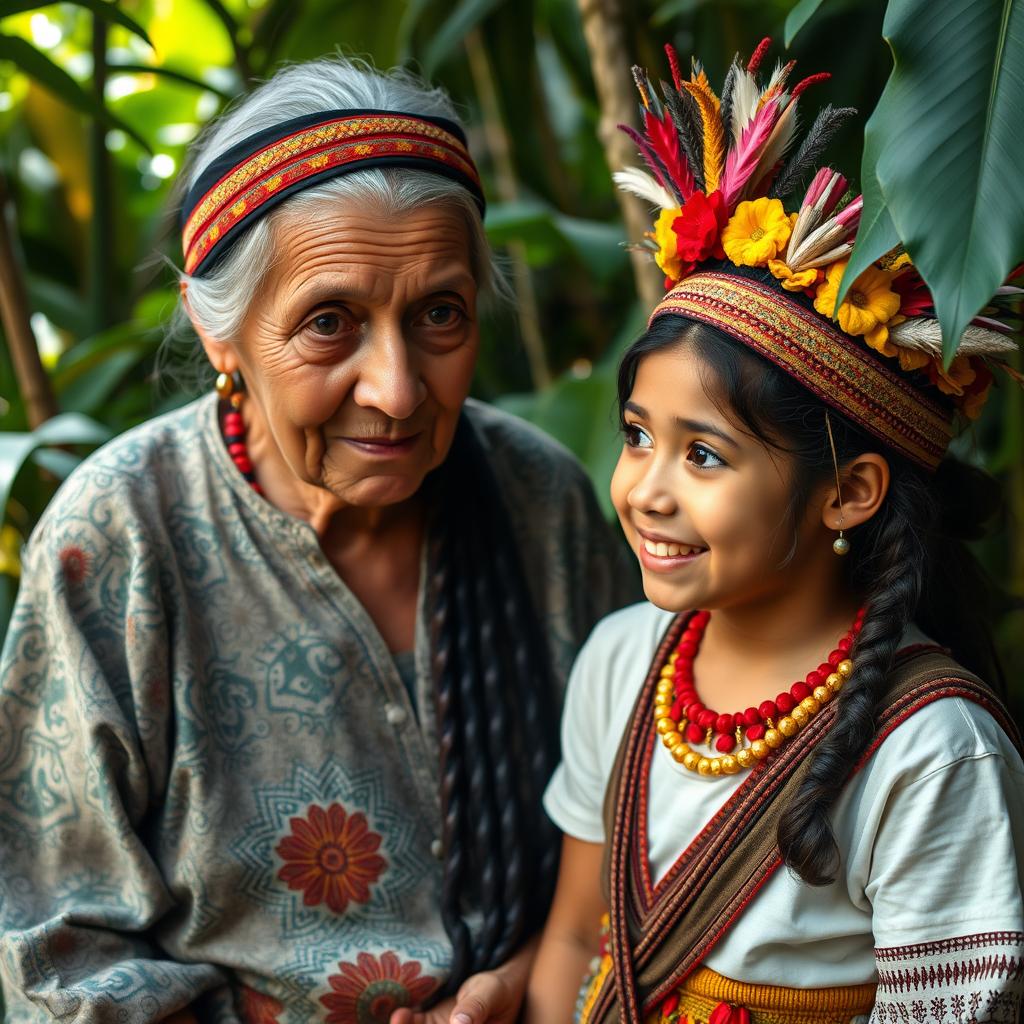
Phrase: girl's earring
pixel 841 546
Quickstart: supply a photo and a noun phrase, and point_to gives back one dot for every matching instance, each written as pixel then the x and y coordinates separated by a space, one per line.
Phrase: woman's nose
pixel 389 379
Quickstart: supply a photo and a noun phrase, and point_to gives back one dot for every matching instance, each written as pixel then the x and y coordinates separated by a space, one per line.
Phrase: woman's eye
pixel 636 437
pixel 705 458
pixel 327 324
pixel 444 316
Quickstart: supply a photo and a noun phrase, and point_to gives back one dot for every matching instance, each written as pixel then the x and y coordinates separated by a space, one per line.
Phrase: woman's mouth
pixel 665 556
pixel 383 447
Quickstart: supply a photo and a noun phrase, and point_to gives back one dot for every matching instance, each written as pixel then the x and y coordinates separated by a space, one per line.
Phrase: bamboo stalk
pixel 609 61
pixel 33 383
pixel 505 178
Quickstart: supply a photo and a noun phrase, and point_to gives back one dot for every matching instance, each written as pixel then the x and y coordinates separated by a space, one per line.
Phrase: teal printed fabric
pixel 216 800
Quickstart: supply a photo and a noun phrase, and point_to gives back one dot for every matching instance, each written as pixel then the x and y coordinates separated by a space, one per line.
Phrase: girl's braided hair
pixel 908 564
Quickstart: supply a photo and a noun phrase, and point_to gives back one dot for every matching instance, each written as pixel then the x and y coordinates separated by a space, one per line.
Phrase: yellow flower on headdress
pixel 793 281
pixel 757 232
pixel 867 309
pixel 667 255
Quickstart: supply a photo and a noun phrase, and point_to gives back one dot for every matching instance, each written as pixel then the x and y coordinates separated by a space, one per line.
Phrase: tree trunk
pixel 33 383
pixel 610 62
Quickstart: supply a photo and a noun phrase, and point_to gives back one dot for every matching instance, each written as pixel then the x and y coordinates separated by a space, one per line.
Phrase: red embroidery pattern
pixel 257 1007
pixel 74 563
pixel 973 979
pixel 331 856
pixel 370 990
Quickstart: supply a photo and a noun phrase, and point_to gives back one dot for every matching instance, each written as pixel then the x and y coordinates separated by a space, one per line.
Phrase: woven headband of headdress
pixel 253 176
pixel 719 169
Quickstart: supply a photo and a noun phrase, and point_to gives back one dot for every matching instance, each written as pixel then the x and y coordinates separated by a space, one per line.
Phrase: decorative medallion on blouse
pixel 331 856
pixel 371 989
pixel 734 257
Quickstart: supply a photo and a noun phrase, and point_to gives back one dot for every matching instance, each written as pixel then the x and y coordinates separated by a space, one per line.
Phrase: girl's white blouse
pixel 931 833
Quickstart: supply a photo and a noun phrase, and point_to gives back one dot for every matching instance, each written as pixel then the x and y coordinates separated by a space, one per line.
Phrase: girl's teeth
pixel 663 550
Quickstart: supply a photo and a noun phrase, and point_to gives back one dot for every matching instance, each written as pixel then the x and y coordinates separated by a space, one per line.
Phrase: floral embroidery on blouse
pixel 370 990
pixel 332 856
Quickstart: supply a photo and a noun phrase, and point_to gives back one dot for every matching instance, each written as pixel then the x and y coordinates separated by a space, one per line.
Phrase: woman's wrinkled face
pixel 361 345
pixel 705 506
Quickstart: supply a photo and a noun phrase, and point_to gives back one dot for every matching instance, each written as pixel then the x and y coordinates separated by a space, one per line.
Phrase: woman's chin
pixel 376 491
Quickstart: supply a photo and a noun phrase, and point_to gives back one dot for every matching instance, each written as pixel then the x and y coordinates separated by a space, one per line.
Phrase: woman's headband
pixel 253 176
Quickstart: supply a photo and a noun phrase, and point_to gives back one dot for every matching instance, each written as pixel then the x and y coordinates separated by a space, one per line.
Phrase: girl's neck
pixel 754 651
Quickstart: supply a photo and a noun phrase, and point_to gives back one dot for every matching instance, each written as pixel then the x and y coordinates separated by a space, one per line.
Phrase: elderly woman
pixel 280 693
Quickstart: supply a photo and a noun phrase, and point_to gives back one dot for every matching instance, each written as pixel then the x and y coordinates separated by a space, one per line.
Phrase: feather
pixel 659 171
pixel 664 140
pixel 826 124
pixel 686 117
pixel 725 110
pixel 758 55
pixel 712 132
pixel 776 84
pixel 640 183
pixel 774 150
pixel 743 158
pixel 923 334
pixel 745 95
pixel 673 63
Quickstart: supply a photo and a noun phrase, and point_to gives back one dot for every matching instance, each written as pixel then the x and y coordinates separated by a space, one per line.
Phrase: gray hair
pixel 219 302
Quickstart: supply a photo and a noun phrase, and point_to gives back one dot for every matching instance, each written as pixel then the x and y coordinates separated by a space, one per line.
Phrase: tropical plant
pixel 99 101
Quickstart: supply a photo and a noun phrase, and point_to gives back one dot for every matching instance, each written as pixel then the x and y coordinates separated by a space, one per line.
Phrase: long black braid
pixel 908 563
pixel 497 717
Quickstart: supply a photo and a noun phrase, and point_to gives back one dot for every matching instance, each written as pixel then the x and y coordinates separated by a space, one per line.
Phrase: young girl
pixel 784 780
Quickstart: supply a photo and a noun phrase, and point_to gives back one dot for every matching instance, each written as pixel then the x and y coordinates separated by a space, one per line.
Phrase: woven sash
pixel 658 936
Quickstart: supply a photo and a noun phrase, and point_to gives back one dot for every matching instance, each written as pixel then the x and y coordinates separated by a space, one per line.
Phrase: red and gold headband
pixel 734 256
pixel 261 171
pixel 828 363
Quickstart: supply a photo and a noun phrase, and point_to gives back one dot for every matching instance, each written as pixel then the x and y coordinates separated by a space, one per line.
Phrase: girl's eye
pixel 636 437
pixel 445 315
pixel 705 458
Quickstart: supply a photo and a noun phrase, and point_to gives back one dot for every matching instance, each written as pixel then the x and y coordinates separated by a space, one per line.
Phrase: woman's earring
pixel 841 546
pixel 230 388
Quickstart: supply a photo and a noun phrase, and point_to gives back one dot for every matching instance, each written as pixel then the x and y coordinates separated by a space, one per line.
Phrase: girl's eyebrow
pixel 692 426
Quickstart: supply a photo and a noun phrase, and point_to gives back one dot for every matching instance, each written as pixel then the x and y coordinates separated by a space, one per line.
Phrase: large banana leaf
pixel 946 148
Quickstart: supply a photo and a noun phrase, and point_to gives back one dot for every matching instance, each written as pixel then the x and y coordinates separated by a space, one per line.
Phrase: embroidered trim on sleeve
pixel 971 979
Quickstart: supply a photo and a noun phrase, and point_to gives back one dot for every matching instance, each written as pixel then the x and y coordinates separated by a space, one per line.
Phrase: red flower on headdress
pixel 370 990
pixel 915 299
pixel 332 856
pixel 698 229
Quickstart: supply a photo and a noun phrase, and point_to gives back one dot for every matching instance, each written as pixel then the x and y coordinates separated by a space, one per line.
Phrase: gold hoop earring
pixel 841 546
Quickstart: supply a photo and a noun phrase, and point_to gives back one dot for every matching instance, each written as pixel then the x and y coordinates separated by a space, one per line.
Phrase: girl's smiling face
pixel 705 506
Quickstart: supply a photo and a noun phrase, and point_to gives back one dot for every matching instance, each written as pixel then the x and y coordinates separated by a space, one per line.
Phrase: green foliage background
pixel 95 213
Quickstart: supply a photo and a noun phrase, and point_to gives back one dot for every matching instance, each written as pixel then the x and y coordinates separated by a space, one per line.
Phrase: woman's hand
pixel 484 998
pixel 490 997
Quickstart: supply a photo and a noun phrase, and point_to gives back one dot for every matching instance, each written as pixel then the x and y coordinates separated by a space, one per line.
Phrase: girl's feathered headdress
pixel 720 168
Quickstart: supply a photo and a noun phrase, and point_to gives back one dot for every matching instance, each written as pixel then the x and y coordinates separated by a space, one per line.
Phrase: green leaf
pixel 950 147
pixel 798 17
pixel 467 15
pixel 53 77
pixel 16 448
pixel 169 73
pixel 876 234
pixel 107 11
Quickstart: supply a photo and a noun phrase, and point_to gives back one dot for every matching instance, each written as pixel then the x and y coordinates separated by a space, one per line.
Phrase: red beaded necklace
pixel 683 718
